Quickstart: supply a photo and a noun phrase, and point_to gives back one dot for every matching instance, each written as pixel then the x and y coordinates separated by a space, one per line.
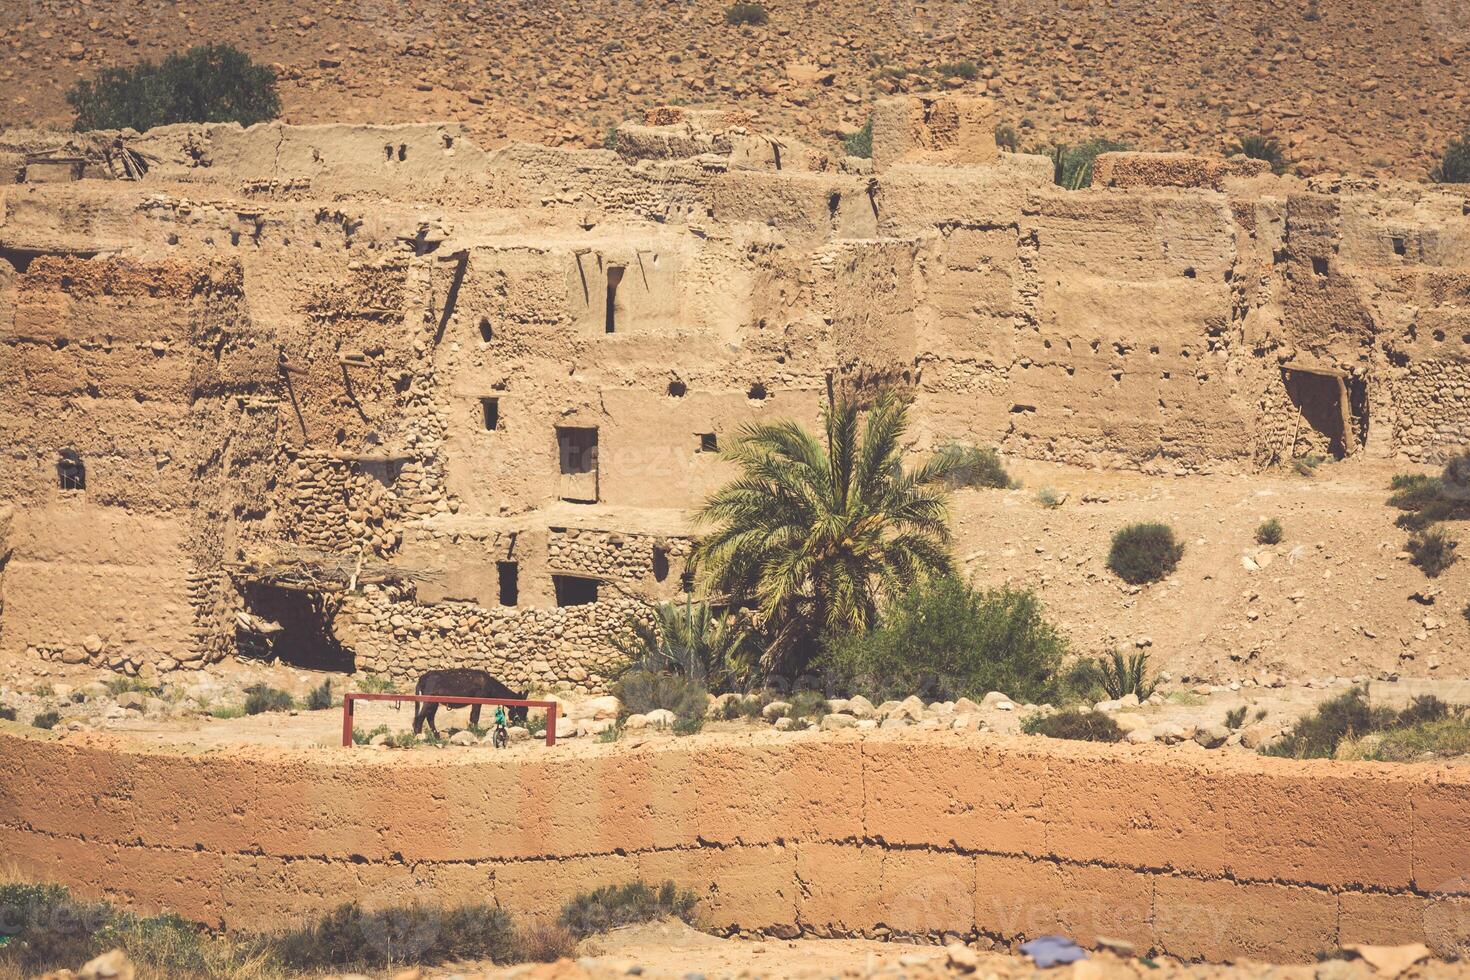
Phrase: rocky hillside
pixel 1358 85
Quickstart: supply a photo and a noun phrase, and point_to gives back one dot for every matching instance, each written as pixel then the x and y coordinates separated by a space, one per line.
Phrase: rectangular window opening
pixel 577 452
pixel 614 279
pixel 490 408
pixel 708 442
pixel 573 590
pixel 510 588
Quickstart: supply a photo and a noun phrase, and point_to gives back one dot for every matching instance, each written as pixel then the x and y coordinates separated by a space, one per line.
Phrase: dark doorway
pixel 573 590
pixel 490 409
pixel 577 452
pixel 614 279
pixel 660 564
pixel 1320 399
pixel 304 637
pixel 510 582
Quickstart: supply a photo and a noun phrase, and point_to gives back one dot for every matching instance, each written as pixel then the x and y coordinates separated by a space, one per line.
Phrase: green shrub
pixel 375 684
pixel 975 466
pixel 1144 553
pixel 944 640
pixel 1082 726
pixel 1454 163
pixel 959 69
pixel 1235 717
pixel 360 737
pixel 7 713
pixel 738 14
pixel 690 639
pixel 211 83
pixel 320 697
pixel 860 143
pixel 1432 550
pixel 1268 532
pixel 350 937
pixel 122 685
pixel 224 712
pixel 1307 465
pixel 807 705
pixel 642 691
pixel 688 725
pixel 1263 148
pixel 1048 498
pixel 614 906
pixel 1072 165
pixel 1006 138
pixel 1121 676
pixel 261 697
pixel 1317 735
pixel 1427 500
pixel 1445 738
pixel 46 719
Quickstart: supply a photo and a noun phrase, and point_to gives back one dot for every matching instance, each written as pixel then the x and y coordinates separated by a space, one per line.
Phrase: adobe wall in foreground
pixel 1200 858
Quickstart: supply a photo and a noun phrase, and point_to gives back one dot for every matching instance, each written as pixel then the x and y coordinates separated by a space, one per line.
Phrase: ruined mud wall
pixel 817 834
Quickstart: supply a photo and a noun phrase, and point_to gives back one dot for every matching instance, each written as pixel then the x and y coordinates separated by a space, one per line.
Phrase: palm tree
pixel 691 640
pixel 812 537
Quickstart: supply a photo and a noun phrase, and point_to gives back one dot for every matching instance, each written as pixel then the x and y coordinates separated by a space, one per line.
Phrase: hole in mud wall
pixel 573 590
pixel 487 333
pixel 20 260
pixel 660 564
pixel 71 472
pixel 677 389
pixel 757 392
pixel 709 442
pixel 490 410
pixel 1400 246
pixel 305 637
pixel 402 151
pixel 1357 390
pixel 1319 400
pixel 1319 265
pixel 510 582
pixel 610 316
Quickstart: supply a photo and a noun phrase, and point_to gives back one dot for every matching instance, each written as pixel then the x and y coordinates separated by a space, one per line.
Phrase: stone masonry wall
pixel 566 648
pixel 881 834
pixel 614 555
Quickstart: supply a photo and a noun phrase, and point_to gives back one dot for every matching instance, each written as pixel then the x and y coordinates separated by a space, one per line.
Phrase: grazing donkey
pixel 464 682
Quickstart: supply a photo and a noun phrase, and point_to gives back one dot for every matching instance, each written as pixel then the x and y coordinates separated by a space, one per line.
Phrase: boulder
pixel 964 706
pixel 834 721
pixel 1212 736
pixel 860 707
pixel 1128 721
pixel 1254 736
pixel 132 700
pixel 463 738
pixel 784 724
pixel 92 643
pixel 961 958
pixel 1141 736
pixel 993 698
pixel 606 706
pixel 967 722
pixel 776 709
pixel 635 722
pixel 661 718
pixel 113 965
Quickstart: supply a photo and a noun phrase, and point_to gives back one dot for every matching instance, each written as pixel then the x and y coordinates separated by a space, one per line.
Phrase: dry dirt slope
pixel 1347 84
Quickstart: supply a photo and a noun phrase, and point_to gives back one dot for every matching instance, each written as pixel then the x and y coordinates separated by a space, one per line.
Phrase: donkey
pixel 464 682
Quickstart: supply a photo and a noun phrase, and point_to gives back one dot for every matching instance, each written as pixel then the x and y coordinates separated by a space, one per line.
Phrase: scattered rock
pixel 113 965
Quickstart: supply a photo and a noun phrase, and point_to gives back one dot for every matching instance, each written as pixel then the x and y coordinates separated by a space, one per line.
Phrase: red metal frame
pixel 347 700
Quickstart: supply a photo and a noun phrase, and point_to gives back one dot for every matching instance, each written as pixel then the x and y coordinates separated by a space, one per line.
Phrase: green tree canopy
pixel 210 83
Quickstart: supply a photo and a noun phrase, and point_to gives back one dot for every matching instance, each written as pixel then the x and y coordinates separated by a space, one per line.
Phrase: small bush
pixel 1306 465
pixel 48 928
pixel 1144 553
pixel 614 906
pixel 7 713
pixel 1268 532
pixel 46 719
pixel 1263 148
pixel 1445 738
pixel 1432 551
pixel 1426 500
pixel 944 640
pixel 1454 163
pixel 642 691
pixel 207 84
pixel 407 739
pixel 375 684
pixel 320 698
pixel 1072 165
pixel 807 705
pixel 1048 498
pixel 360 737
pixel 1121 676
pixel 975 466
pixel 351 937
pixel 224 712
pixel 739 14
pixel 688 725
pixel 1082 726
pixel 1006 138
pixel 959 69
pixel 260 698
pixel 122 685
pixel 545 943
pixel 1235 717
pixel 1317 735
pixel 860 143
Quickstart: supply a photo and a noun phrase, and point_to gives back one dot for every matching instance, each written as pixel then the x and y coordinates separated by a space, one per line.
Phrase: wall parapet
pixel 815 833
